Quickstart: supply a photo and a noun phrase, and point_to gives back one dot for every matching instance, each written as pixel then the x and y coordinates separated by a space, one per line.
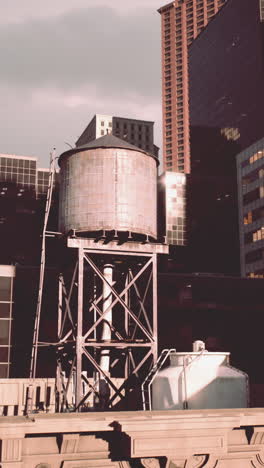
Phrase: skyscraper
pixel 181 22
pixel 226 73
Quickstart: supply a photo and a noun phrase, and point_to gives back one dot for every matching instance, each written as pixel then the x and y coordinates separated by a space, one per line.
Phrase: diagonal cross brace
pixel 96 365
pixel 141 301
pixel 118 297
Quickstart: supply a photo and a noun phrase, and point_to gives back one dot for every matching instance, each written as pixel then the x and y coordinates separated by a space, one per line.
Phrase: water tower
pixel 107 325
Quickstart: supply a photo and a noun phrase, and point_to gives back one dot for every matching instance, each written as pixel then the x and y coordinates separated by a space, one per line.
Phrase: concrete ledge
pixel 189 438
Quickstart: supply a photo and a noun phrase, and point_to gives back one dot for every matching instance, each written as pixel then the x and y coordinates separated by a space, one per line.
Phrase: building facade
pixel 137 132
pixel 250 179
pixel 181 22
pixel 7 275
pixel 23 189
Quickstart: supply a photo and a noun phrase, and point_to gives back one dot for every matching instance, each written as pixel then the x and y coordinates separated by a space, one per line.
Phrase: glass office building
pixel 226 75
pixel 18 170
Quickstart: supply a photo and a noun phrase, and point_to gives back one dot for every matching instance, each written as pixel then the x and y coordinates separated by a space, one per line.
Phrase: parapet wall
pixel 156 439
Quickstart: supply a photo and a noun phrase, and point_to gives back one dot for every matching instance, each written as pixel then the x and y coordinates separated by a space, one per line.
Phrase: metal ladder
pixel 34 352
pixel 146 385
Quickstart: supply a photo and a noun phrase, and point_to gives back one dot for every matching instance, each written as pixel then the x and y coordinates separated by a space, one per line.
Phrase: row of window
pixel 109 124
pixel 254 215
pixel 254 236
pixel 254 256
pixel 23 179
pixel 253 195
pixel 17 163
pixel 133 127
pixel 255 157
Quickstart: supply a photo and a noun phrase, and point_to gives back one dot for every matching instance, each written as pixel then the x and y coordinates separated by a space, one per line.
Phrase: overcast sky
pixel 62 61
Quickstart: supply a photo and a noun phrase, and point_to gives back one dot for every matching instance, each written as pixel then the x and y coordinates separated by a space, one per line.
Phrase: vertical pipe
pixel 127 301
pixel 79 332
pixel 60 307
pixel 58 385
pixel 155 308
pixel 106 331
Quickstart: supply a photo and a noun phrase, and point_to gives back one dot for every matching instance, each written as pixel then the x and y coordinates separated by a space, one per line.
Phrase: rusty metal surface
pixel 108 188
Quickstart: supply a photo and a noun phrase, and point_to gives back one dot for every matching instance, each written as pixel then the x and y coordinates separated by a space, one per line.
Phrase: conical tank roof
pixel 106 141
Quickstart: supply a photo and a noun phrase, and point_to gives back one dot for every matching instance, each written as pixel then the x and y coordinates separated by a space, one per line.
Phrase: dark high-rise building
pixel 181 22
pixel 226 75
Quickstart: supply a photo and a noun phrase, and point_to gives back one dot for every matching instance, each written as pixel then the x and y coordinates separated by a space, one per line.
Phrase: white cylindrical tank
pixel 199 380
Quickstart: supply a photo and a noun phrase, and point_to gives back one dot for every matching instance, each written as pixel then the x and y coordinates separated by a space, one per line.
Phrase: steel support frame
pixel 84 342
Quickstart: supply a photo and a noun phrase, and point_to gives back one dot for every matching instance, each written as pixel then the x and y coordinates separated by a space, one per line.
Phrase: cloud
pixel 88 46
pixel 17 11
pixel 50 117
pixel 58 70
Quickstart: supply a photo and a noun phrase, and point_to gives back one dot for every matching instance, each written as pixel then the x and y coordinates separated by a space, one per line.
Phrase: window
pixel 102 132
pixel 4 310
pixel 253 256
pixel 110 124
pixel 4 332
pixel 102 123
pixel 251 196
pixel 5 288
